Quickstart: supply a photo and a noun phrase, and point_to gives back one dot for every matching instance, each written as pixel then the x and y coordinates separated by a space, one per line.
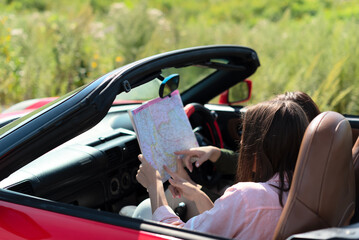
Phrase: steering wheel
pixel 207 132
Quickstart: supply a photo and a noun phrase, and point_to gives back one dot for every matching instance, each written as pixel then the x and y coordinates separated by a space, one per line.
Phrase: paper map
pixel 162 127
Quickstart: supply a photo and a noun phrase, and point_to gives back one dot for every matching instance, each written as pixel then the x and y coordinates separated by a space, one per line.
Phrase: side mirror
pixel 168 85
pixel 239 93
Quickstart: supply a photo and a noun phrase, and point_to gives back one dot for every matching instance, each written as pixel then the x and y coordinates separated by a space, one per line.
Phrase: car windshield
pixel 189 76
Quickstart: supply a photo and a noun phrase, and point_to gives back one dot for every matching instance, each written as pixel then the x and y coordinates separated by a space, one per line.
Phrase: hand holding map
pixel 162 128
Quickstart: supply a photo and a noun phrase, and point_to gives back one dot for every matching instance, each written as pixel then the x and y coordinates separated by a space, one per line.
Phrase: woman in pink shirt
pixel 271 136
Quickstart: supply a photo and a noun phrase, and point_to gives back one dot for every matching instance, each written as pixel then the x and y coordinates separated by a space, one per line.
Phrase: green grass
pixel 48 48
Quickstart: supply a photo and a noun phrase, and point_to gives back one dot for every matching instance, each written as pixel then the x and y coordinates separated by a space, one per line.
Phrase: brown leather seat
pixel 355 154
pixel 322 194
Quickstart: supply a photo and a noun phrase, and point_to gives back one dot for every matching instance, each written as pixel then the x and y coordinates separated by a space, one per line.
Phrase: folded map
pixel 162 127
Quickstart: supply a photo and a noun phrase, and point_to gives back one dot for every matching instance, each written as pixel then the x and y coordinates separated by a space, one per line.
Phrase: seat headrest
pixel 322 194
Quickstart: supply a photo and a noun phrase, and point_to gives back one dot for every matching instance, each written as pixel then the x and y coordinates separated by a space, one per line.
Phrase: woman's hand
pixel 146 174
pixel 181 183
pixel 202 153
pixel 189 190
pixel 180 186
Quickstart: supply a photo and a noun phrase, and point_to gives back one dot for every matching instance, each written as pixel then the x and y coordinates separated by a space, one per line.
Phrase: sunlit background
pixel 48 48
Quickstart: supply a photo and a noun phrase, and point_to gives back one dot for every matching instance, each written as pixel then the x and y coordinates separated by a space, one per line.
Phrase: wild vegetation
pixel 48 48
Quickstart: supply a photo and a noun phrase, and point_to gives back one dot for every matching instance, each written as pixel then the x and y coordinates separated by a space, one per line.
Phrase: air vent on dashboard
pixel 114 155
pixel 132 148
pixel 23 187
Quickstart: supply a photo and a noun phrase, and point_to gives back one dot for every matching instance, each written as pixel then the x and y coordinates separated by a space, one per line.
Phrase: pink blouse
pixel 247 210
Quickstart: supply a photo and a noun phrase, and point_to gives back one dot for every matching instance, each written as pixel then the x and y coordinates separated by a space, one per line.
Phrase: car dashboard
pixel 97 169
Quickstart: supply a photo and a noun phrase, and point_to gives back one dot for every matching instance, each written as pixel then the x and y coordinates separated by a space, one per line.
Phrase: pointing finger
pixel 169 171
pixel 183 152
pixel 188 163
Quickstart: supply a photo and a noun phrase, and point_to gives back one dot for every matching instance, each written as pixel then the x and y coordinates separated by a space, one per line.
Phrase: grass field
pixel 48 48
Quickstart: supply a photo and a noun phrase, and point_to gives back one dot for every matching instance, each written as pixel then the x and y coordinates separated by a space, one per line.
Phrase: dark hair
pixel 304 100
pixel 272 133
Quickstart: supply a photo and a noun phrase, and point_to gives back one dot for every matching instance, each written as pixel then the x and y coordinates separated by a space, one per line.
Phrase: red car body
pixel 22 222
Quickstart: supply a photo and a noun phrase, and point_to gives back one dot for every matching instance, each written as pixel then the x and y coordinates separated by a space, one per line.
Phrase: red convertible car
pixel 67 168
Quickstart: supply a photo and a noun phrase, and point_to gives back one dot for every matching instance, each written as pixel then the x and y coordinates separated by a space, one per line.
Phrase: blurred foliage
pixel 48 48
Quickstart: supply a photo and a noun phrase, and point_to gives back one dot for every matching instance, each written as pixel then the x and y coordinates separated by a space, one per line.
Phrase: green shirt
pixel 227 162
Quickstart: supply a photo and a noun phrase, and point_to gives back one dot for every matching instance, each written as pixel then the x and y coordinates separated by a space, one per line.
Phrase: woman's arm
pixel 203 202
pixel 157 195
pixel 226 218
pixel 225 160
pixel 150 178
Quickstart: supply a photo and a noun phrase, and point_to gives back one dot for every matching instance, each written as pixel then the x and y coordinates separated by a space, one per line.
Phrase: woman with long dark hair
pixel 270 142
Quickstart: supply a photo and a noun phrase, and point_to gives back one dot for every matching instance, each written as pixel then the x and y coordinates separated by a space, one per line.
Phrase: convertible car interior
pixel 98 168
pixel 89 157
